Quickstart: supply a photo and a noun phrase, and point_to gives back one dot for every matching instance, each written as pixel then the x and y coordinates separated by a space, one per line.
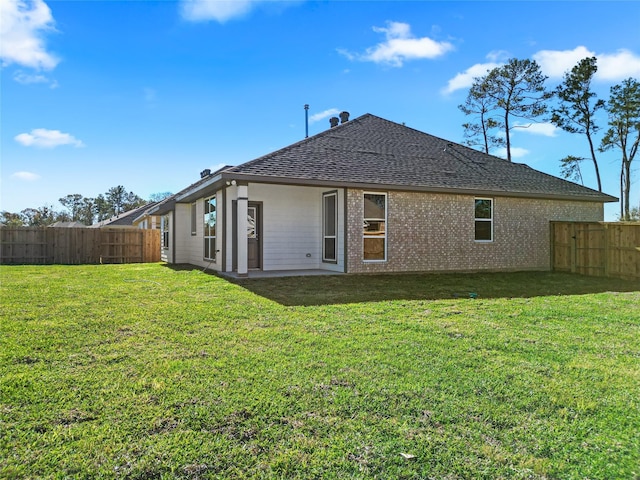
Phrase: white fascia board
pixel 194 192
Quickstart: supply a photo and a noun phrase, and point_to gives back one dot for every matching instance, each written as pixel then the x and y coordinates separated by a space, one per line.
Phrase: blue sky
pixel 147 94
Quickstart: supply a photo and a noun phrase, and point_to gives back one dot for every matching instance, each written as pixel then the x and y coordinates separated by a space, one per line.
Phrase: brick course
pixel 435 232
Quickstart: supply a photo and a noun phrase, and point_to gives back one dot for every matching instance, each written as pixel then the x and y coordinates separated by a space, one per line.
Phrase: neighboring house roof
pixel 373 153
pixel 73 224
pixel 124 219
pixel 167 204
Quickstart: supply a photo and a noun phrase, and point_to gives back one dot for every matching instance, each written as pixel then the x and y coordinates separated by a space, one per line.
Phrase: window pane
pixel 330 215
pixel 210 205
pixel 373 227
pixel 329 249
pixel 374 205
pixel 483 208
pixel 210 248
pixel 483 230
pixel 193 219
pixel 252 232
pixel 374 248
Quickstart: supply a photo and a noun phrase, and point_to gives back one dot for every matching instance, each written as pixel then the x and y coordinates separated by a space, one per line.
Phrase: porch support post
pixel 241 247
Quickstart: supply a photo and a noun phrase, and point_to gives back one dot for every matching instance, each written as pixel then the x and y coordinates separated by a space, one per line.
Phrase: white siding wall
pixel 292 227
pixel 190 248
pixel 182 234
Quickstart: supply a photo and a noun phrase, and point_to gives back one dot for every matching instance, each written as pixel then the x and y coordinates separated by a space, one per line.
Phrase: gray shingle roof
pixel 372 152
pixel 125 219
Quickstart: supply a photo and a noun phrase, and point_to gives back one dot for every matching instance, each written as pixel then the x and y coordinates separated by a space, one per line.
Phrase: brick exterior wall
pixel 435 232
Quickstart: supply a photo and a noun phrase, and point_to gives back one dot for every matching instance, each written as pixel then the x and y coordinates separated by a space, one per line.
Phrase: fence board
pixel 596 248
pixel 73 246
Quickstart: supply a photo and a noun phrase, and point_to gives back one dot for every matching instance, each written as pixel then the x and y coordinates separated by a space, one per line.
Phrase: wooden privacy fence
pixel 75 246
pixel 596 248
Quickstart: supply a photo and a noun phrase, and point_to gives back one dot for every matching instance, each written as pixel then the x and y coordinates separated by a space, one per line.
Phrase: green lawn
pixel 144 371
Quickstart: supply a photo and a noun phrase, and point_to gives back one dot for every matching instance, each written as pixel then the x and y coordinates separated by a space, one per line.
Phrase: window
pixel 484 219
pixel 210 220
pixel 164 229
pixel 193 219
pixel 329 226
pixel 375 231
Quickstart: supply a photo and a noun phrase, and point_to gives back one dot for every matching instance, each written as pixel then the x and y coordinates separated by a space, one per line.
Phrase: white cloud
pixel 400 46
pixel 43 138
pixel 466 78
pixel 222 10
pixel 24 23
pixel 611 66
pixel 618 66
pixel 544 129
pixel 498 56
pixel 316 117
pixel 554 63
pixel 26 176
pixel 516 152
pixel 29 79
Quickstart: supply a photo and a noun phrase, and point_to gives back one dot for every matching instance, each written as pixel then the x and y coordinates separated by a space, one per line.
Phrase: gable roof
pixel 167 204
pixel 124 219
pixel 372 152
pixel 72 224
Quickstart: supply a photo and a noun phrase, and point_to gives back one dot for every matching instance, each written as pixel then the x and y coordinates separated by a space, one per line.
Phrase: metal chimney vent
pixel 334 121
pixel 205 173
pixel 344 117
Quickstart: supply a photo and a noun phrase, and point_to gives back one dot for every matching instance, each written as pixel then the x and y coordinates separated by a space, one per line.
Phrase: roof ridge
pixel 303 141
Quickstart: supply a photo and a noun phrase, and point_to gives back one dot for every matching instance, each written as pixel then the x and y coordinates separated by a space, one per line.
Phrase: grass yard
pixel 144 371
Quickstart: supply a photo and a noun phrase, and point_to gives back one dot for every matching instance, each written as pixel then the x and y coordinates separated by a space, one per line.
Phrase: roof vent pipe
pixel 306 121
pixel 344 117
pixel 205 173
pixel 334 121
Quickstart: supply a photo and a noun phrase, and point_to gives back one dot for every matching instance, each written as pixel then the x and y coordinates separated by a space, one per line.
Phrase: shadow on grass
pixel 340 289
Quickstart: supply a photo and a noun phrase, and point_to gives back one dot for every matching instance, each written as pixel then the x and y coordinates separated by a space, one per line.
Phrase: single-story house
pixel 134 218
pixel 72 224
pixel 371 195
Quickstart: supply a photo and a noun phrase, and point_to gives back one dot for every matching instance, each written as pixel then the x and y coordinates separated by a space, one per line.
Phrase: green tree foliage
pixel 116 198
pixel 634 215
pixel 73 203
pixel 87 211
pixel 570 168
pixel 516 90
pixel 578 106
pixel 81 209
pixel 102 208
pixel 11 219
pixel 623 108
pixel 477 132
pixel 157 197
pixel 119 200
pixel 41 217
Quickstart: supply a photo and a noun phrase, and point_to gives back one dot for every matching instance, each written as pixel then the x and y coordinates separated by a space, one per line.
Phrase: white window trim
pixel 165 230
pixel 490 220
pixel 207 238
pixel 335 223
pixel 386 225
pixel 194 219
